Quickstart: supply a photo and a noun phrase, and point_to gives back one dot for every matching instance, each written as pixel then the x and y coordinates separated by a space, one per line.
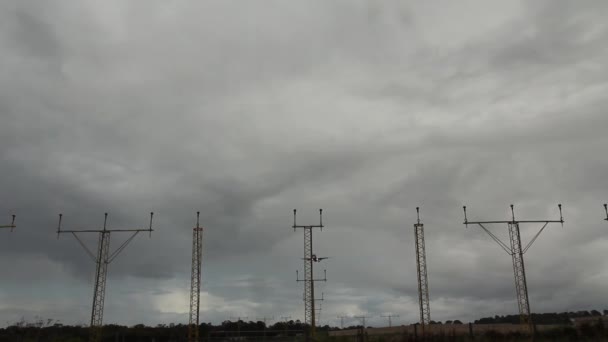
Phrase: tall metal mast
pixel 195 282
pixel 102 260
pixel 515 250
pixel 10 226
pixel 606 210
pixel 309 281
pixel 423 280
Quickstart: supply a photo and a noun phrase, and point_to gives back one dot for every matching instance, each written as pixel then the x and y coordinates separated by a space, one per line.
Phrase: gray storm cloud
pixel 245 111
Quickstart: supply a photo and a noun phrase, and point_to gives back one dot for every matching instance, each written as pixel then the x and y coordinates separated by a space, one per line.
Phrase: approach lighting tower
pixel 515 250
pixel 102 260
pixel 390 319
pixel 423 280
pixel 10 226
pixel 195 282
pixel 309 281
pixel 319 309
pixel 239 320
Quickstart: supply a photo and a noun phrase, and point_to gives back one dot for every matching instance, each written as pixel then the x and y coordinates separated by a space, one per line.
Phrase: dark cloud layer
pixel 245 112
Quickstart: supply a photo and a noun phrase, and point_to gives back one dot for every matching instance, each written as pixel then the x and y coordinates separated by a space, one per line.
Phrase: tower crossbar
pixel 421 269
pixel 10 226
pixel 102 259
pixel 195 281
pixel 516 251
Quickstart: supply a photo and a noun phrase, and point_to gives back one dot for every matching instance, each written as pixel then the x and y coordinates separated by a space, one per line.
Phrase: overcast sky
pixel 245 110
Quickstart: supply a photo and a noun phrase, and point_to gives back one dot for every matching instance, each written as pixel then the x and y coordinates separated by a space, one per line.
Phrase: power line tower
pixel 102 260
pixel 309 281
pixel 515 250
pixel 195 281
pixel 423 280
pixel 10 226
pixel 606 210
pixel 390 317
pixel 342 321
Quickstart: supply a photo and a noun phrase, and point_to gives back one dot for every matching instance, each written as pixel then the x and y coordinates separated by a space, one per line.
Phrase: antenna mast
pixel 102 260
pixel 423 280
pixel 195 282
pixel 12 225
pixel 515 250
pixel 309 281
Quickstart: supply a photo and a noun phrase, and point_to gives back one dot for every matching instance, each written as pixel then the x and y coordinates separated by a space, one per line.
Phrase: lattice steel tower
pixel 309 281
pixel 515 250
pixel 12 225
pixel 195 282
pixel 423 280
pixel 102 260
pixel 606 210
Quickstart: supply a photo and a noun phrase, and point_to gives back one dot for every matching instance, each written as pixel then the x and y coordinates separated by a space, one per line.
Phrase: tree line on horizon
pixel 51 330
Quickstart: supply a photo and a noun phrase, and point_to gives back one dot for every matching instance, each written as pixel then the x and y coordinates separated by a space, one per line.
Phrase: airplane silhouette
pixel 315 258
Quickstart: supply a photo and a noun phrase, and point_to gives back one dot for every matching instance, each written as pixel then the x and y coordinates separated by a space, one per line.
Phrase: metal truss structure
pixel 515 250
pixel 195 281
pixel 102 259
pixel 423 280
pixel 309 281
pixel 606 210
pixel 319 309
pixel 10 226
pixel 390 319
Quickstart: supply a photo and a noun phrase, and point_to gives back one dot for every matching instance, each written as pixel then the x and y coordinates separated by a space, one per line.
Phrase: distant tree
pixel 605 312
pixel 448 322
pixel 595 313
pixel 457 322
